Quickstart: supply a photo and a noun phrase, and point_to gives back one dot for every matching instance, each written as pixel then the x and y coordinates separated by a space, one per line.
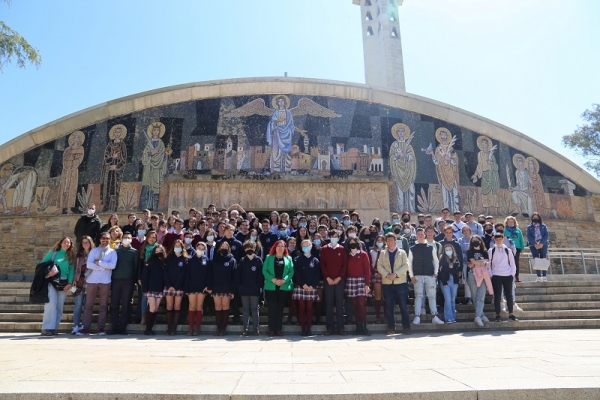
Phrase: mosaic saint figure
pixel 115 158
pixel 403 165
pixel 280 129
pixel 72 158
pixel 155 162
pixel 536 188
pixel 24 179
pixel 446 167
pixel 487 171
pixel 520 192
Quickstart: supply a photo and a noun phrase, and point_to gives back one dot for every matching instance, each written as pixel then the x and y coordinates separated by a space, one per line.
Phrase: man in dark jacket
pixel 121 286
pixel 88 225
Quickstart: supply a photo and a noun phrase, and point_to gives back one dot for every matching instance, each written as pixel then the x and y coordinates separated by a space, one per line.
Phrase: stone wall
pixel 25 240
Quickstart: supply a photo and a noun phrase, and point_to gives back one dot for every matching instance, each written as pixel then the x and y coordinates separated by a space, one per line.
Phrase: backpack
pixel 494 250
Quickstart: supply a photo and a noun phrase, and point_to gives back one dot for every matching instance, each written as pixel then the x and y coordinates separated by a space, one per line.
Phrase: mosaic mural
pixel 125 163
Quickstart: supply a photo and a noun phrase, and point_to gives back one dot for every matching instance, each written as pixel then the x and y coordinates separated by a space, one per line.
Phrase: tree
pixel 14 47
pixel 586 139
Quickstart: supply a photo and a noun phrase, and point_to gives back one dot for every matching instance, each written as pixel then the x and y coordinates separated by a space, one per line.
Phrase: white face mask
pixel 210 238
pixel 91 211
pixel 188 240
pixel 352 235
pixel 199 253
pixel 126 242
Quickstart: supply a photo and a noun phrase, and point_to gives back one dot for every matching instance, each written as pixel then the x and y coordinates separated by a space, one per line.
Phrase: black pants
pixel 517 259
pixel 120 290
pixel 499 282
pixel 334 293
pixel 276 302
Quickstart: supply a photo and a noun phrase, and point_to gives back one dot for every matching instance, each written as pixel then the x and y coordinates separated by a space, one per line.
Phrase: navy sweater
pixel 235 247
pixel 197 274
pixel 153 277
pixel 250 279
pixel 175 272
pixel 223 269
pixel 307 270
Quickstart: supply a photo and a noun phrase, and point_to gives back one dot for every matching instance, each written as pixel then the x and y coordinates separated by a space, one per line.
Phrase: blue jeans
pixel 397 294
pixel 425 285
pixel 477 294
pixel 541 253
pixel 449 293
pixel 53 309
pixel 79 300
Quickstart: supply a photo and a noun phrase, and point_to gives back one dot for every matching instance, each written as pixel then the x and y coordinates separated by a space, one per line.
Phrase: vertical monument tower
pixel 381 43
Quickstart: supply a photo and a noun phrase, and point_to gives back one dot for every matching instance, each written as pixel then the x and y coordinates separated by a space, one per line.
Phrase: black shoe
pixel 328 333
pixel 498 319
pixel 303 332
pixel 309 333
pixel 365 331
pixel 513 318
pixel 406 331
pixel 245 333
pixel 341 332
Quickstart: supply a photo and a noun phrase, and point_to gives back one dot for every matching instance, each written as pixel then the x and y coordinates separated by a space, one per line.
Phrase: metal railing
pixel 587 258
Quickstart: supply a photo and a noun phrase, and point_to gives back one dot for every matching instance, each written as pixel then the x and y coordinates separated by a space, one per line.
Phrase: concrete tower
pixel 381 43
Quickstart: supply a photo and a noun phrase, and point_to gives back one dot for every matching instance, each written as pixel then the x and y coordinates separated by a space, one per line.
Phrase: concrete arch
pixel 298 86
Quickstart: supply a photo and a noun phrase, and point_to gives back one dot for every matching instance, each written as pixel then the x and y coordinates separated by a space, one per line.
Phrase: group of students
pixel 234 259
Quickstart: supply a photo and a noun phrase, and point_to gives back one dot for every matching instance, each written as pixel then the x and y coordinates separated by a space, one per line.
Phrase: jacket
pixel 531 235
pixel 446 271
pixel 153 278
pixel 127 263
pixel 400 267
pixel 197 274
pixel 269 273
pixel 307 271
pixel 250 280
pixel 175 272
pixel 38 292
pixel 87 226
pixel 223 270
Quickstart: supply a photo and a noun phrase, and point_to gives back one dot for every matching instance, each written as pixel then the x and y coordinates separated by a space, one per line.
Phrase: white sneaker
pixel 484 319
pixel 538 279
pixel 436 320
pixel 478 321
pixel 75 330
pixel 503 305
pixel 417 320
pixel 517 308
pixel 544 279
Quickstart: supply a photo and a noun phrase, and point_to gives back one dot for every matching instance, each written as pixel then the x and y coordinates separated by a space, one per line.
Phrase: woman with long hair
pixel 512 231
pixel 153 284
pixel 85 246
pixel 465 242
pixel 376 252
pixel 175 267
pixel 112 221
pixel 116 235
pixel 61 279
pixel 307 275
pixel 254 238
pixel 196 281
pixel 278 270
pixel 301 235
pixel 358 279
pixel 448 277
pixel 146 251
pixel 222 284
pixel 478 277
pixel 274 220
pixel 538 241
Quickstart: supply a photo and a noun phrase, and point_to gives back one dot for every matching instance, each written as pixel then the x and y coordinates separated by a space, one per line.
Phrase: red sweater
pixel 359 266
pixel 333 262
pixel 170 238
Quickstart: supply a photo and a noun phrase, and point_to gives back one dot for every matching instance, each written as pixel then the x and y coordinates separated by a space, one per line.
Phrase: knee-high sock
pixel 198 319
pixel 176 314
pixel 169 319
pixel 191 316
pixel 225 318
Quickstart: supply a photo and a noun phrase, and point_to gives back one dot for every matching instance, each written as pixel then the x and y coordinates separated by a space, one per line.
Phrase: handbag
pixel 540 264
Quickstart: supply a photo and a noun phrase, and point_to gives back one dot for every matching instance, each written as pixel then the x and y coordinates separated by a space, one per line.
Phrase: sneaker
pixel 517 308
pixel 449 322
pixel 391 332
pixel 544 279
pixel 47 332
pixel 75 330
pixel 436 321
pixel 101 332
pixel 245 333
pixel 417 320
pixel 484 319
pixel 538 279
pixel 341 332
pixel 498 319
pixel 469 302
pixel 257 332
pixel 406 331
pixel 513 318
pixel 82 332
pixel 478 321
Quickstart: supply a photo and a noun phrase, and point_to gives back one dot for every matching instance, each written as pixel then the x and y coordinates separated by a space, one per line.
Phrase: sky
pixel 530 65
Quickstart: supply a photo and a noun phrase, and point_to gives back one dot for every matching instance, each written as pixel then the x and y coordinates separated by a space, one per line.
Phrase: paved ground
pixel 465 366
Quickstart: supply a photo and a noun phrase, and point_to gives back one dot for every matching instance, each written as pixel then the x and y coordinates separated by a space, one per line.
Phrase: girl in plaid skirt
pixel 307 275
pixel 358 278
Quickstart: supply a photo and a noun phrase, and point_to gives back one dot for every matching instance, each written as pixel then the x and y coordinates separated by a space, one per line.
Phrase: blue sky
pixel 530 65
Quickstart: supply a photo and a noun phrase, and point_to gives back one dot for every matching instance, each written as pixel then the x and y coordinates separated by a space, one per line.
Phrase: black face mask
pixel 476 246
pixel 249 251
pixel 354 246
pixel 405 220
pixel 421 221
pixel 482 221
pixel 499 231
pixel 489 230
pixel 397 231
pixel 223 252
pixel 535 220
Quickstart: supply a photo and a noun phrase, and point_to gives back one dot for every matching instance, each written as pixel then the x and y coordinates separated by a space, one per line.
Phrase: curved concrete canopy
pixel 298 86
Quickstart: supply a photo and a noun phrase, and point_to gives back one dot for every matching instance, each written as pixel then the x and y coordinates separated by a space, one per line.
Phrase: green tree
pixel 14 47
pixel 586 139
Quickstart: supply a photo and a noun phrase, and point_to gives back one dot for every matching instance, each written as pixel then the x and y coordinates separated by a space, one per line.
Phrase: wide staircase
pixel 567 301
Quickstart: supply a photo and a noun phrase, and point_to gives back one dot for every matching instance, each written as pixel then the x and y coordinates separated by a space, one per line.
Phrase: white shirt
pixel 101 272
pixel 502 264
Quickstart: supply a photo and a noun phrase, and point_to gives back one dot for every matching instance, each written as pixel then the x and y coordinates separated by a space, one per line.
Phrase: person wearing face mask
pixel 249 282
pixel 408 234
pixel 237 250
pixel 197 274
pixel 488 237
pixel 352 233
pixel 175 284
pixel 355 219
pixel 312 227
pixel 171 237
pixel 139 239
pixel 153 284
pixel 364 235
pixel 421 221
pixel 423 266
pixel 292 309
pixel 121 288
pixel 405 218
pixel 307 276
pixel 478 277
pixel 317 245
pixel 358 280
pixel 507 242
pixel 401 241
pixel 222 284
pixel 538 242
pixel 376 252
pixel 449 275
pixel 333 269
pixel 188 244
pixel 253 237
pixel 513 232
pixel 88 225
pixel 450 239
pixel 395 219
pixel 211 245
